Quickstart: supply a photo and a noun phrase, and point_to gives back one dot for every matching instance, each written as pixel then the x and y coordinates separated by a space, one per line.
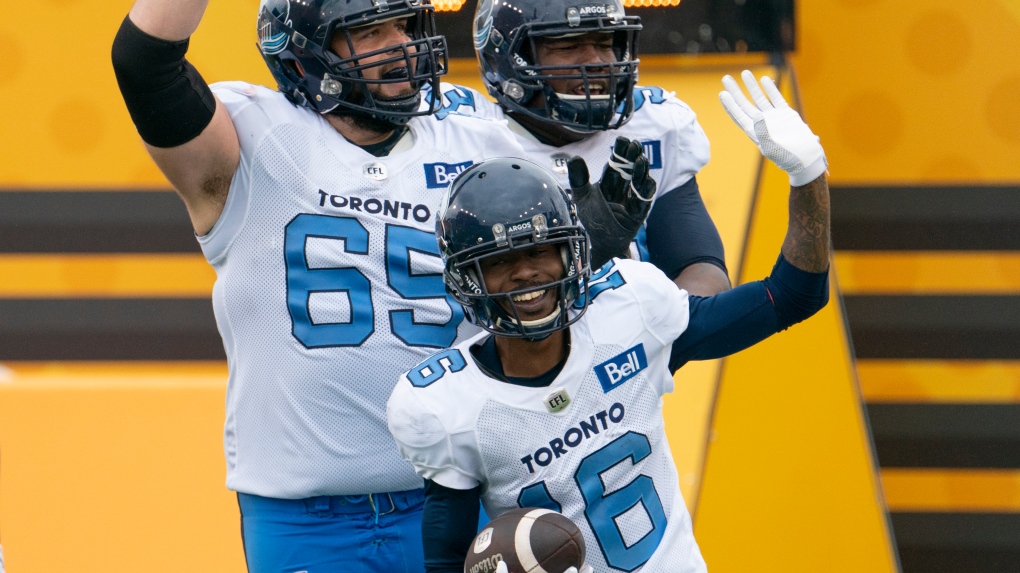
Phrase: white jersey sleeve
pixel 251 109
pixel 442 449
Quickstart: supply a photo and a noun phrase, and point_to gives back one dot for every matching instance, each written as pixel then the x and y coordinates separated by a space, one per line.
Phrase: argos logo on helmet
pixel 519 227
pixel 483 23
pixel 439 175
pixel 597 10
pixel 272 12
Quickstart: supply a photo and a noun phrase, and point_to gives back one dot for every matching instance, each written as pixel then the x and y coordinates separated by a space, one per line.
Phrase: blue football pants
pixel 327 534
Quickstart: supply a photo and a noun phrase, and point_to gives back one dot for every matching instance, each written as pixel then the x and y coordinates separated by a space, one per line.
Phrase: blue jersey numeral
pixel 302 282
pixel 601 280
pixel 537 495
pixel 601 508
pixel 400 242
pixel 434 368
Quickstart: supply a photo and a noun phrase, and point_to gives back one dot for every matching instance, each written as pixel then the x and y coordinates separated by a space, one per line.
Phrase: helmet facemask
pixel 329 83
pixel 503 207
pixel 498 312
pixel 583 113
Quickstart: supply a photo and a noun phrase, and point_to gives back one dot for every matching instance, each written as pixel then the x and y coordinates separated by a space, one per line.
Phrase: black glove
pixel 614 208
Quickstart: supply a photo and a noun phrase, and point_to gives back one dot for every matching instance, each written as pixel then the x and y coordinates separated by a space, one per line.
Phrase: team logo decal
pixel 483 23
pixel 273 11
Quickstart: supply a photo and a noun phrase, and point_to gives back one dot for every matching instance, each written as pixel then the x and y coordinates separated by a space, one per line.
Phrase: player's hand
pixel 614 208
pixel 775 127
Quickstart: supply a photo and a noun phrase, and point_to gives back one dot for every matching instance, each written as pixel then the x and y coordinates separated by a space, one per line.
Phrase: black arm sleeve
pixel 731 321
pixel 680 232
pixel 168 100
pixel 449 524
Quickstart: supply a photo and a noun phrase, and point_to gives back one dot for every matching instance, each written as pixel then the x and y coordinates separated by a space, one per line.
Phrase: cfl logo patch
pixel 622 367
pixel 559 162
pixel 439 175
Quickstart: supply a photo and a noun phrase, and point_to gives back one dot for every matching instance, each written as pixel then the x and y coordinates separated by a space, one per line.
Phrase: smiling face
pixel 575 51
pixel 378 36
pixel 521 270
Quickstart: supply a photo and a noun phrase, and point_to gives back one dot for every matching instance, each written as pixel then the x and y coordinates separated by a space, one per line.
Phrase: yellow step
pixel 106 275
pixel 928 272
pixel 951 490
pixel 940 381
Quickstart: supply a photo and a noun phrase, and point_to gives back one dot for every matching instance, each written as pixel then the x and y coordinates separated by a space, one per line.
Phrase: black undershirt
pixel 487 358
pixel 384 147
pixel 679 232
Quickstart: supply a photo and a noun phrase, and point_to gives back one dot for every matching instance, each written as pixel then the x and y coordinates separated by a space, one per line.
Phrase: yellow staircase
pixel 931 276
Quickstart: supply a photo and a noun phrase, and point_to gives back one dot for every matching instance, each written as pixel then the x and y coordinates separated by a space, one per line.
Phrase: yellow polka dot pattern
pixel 898 91
pixel 913 92
pixel 63 122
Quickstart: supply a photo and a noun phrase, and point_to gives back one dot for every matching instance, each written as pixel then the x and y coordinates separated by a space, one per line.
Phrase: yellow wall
pixel 108 468
pixel 899 91
pixel 790 482
pixel 63 123
pixel 913 91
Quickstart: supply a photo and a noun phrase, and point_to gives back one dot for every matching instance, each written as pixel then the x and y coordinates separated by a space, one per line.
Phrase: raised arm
pixel 186 130
pixel 798 285
pixel 783 137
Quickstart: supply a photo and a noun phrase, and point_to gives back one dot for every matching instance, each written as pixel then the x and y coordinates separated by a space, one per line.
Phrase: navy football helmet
pixel 502 205
pixel 504 37
pixel 295 37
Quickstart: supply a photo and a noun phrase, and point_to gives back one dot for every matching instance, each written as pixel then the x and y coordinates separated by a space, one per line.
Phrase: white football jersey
pixel 592 445
pixel 674 143
pixel 328 287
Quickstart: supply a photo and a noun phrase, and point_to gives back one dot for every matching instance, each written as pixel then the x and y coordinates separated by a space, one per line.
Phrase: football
pixel 529 540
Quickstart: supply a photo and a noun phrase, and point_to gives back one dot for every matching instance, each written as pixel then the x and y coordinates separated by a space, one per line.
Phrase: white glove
pixel 775 127
pixel 501 567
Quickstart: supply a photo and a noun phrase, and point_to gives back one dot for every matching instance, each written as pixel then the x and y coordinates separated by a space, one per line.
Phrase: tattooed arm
pixel 797 288
pixel 783 137
pixel 807 237
pixel 798 285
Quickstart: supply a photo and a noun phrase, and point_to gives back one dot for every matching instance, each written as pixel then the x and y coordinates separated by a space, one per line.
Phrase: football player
pixel 559 404
pixel 564 74
pixel 315 204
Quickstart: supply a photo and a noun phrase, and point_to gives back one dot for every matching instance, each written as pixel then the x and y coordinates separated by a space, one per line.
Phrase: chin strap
pixel 542 321
pixel 533 323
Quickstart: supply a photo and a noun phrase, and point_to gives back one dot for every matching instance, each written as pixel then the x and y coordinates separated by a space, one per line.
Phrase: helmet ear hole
pixel 295 67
